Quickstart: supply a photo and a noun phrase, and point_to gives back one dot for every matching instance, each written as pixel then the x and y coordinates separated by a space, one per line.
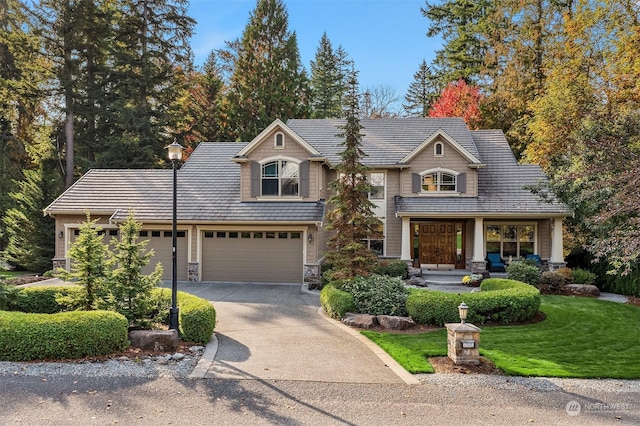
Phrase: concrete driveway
pixel 278 332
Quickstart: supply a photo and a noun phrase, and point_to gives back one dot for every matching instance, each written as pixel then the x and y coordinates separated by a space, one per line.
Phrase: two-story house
pixel 254 212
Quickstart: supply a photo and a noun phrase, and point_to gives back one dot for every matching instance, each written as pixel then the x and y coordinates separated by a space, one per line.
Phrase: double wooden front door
pixel 441 244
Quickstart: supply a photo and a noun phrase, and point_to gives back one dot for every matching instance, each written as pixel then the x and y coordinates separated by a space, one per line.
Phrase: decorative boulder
pixel 360 320
pixel 583 289
pixel 417 281
pixel 154 340
pixel 395 323
pixel 414 272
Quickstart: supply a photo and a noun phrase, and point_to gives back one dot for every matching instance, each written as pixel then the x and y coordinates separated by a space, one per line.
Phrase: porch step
pixel 438 277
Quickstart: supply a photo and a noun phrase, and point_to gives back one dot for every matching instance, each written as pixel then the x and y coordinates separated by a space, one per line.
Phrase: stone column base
pixel 193 272
pixel 463 343
pixel 554 266
pixel 59 263
pixel 478 267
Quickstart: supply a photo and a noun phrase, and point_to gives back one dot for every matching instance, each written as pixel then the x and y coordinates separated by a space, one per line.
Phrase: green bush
pixel 378 295
pixel 8 295
pixel 197 316
pixel 524 272
pixel 336 302
pixel 42 299
pixel 553 279
pixel 628 284
pixel 581 276
pixel 501 300
pixel 392 268
pixel 26 336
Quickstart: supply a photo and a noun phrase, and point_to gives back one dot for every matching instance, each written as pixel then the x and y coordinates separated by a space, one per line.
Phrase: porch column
pixel 557 247
pixel 478 263
pixel 405 249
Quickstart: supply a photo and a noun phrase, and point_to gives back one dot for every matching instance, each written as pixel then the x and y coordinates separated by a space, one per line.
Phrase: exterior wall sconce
pixel 61 235
pixel 310 238
pixel 462 311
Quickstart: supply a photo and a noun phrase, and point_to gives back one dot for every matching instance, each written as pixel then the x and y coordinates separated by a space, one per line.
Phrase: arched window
pixel 438 181
pixel 280 178
pixel 438 149
pixel 278 140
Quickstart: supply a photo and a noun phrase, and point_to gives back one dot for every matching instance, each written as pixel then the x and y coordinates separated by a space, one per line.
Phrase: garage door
pixel 161 243
pixel 265 256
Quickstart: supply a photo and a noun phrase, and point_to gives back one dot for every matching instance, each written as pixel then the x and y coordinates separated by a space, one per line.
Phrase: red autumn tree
pixel 459 99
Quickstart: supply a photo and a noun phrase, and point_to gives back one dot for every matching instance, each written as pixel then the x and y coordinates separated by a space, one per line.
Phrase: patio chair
pixel 536 258
pixel 495 262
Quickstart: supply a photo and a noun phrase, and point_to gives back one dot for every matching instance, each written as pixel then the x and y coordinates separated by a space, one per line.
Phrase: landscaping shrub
pixel 501 300
pixel 197 318
pixel 628 284
pixel 8 295
pixel 336 302
pixel 378 295
pixel 553 279
pixel 581 276
pixel 524 271
pixel 42 299
pixel 392 268
pixel 26 336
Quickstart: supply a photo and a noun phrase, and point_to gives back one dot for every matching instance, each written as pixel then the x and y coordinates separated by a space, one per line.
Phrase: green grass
pixel 580 337
pixel 5 275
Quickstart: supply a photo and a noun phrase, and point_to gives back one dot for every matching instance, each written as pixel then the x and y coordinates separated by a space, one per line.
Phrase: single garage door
pixel 264 256
pixel 162 244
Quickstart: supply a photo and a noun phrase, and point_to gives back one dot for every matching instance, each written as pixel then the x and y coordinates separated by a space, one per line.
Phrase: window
pixel 438 181
pixel 278 140
pixel 376 245
pixel 510 240
pixel 438 149
pixel 280 178
pixel 376 180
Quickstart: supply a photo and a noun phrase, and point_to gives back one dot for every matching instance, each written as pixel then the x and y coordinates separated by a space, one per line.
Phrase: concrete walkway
pixel 278 332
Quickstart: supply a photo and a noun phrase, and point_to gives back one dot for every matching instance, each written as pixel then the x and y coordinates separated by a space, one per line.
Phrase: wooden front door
pixel 438 244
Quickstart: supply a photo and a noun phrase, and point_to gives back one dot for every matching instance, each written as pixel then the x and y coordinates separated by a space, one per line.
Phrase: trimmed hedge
pixel 378 295
pixel 336 302
pixel 27 336
pixel 40 299
pixel 501 300
pixel 197 316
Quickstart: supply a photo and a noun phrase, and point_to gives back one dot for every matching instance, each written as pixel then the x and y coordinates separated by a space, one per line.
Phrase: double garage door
pixel 162 245
pixel 252 256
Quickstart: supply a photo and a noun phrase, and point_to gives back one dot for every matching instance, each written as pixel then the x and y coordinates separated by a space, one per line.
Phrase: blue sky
pixel 386 38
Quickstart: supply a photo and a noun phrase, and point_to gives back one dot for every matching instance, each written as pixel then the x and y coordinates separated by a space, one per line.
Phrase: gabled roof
pixel 273 126
pixel 208 192
pixel 435 136
pixel 502 187
pixel 386 141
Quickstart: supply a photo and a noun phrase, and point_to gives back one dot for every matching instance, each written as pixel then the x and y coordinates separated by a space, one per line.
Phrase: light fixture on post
pixel 462 311
pixel 310 238
pixel 175 155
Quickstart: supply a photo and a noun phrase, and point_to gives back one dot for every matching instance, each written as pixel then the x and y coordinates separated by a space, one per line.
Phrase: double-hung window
pixel 280 178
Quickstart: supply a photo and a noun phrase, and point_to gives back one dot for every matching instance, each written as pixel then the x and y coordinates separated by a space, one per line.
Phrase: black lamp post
pixel 175 155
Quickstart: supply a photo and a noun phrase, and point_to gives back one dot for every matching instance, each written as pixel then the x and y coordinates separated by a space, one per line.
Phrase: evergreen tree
pixel 31 235
pixel 329 73
pixel 421 93
pixel 351 212
pixel 268 80
pixel 89 268
pixel 130 290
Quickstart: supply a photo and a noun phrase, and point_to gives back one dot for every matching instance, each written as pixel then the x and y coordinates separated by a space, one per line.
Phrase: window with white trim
pixel 280 178
pixel 510 240
pixel 438 149
pixel 438 181
pixel 278 140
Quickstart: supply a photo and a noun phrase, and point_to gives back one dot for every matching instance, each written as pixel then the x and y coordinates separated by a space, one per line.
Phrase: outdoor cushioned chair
pixel 536 258
pixel 495 262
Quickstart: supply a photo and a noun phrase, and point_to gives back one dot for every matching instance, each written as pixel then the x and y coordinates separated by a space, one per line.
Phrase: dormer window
pixel 278 141
pixel 279 179
pixel 439 181
pixel 438 149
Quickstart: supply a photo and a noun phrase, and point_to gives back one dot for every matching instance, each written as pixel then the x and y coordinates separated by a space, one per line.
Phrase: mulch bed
pixel 445 365
pixel 26 279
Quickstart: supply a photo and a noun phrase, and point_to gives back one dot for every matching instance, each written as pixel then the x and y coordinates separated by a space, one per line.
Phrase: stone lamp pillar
pixel 463 340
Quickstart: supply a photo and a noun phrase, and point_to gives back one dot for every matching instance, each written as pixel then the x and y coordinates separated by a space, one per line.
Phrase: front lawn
pixel 580 337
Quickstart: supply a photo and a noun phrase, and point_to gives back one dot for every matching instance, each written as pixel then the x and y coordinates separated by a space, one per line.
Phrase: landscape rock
pixel 583 289
pixel 417 281
pixel 177 356
pixel 395 323
pixel 414 272
pixel 154 340
pixel 360 320
pixel 196 348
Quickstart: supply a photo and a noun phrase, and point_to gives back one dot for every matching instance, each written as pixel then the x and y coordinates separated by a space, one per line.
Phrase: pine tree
pixel 351 212
pixel 421 93
pixel 329 73
pixel 268 80
pixel 31 235
pixel 89 268
pixel 130 290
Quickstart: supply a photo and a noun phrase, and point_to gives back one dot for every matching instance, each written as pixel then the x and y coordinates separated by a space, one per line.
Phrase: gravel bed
pixel 146 367
pixel 541 384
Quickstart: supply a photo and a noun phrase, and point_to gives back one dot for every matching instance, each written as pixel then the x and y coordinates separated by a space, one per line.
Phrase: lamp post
pixel 175 154
pixel 462 311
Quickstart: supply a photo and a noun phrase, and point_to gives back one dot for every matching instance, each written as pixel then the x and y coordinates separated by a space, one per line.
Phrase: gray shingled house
pixel 255 211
